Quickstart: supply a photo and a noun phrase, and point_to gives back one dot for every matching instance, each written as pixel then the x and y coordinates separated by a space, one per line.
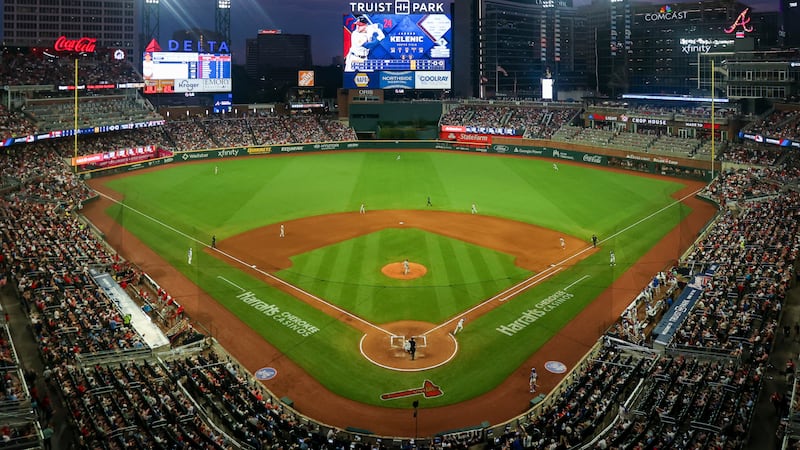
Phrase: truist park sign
pixel 80 45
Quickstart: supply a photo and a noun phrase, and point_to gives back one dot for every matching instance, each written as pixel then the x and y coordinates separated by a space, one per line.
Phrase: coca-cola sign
pixel 80 45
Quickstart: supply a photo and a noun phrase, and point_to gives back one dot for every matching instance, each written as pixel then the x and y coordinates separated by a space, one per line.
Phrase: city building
pixel 277 56
pixel 504 48
pixel 108 24
pixel 668 48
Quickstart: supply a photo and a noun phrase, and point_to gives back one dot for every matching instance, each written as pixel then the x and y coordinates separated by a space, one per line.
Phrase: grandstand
pixel 119 392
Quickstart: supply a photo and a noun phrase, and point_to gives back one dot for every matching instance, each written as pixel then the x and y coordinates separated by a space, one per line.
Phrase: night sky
pixel 322 19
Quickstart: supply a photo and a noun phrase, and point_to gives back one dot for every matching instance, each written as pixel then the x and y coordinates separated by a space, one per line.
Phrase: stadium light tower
pixel 223 19
pixel 151 23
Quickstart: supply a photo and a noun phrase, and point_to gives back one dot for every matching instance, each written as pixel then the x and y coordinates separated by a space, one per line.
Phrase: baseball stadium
pixel 491 271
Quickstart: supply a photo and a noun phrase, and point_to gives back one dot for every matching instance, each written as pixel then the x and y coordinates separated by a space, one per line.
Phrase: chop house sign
pixel 80 45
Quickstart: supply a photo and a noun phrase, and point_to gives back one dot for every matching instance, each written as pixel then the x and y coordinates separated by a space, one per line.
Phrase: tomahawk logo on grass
pixel 428 390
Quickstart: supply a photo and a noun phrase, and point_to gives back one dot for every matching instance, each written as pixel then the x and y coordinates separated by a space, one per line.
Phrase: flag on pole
pixel 502 70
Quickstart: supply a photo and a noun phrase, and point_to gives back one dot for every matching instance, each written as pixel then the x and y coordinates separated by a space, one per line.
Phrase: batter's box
pixel 396 341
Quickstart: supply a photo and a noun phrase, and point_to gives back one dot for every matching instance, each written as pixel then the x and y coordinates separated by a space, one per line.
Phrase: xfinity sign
pixel 397 7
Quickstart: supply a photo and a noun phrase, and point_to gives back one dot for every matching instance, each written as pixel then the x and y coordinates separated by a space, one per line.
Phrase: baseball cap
pixel 362 20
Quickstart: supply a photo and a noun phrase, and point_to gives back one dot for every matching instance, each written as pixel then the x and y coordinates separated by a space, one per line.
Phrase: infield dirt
pixel 534 250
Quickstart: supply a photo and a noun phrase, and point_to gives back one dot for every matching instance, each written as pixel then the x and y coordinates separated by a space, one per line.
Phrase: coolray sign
pixel 432 80
pixel 701 45
pixel 286 319
pixel 665 13
pixel 538 311
pixel 398 7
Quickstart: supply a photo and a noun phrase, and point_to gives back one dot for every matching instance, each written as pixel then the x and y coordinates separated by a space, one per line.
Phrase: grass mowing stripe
pixel 328 184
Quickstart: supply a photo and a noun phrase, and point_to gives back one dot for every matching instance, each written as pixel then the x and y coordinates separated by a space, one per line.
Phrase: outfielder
pixel 612 259
pixel 189 256
pixel 362 39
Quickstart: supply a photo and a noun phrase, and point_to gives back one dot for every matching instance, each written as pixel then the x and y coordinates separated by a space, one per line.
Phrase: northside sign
pixel 398 7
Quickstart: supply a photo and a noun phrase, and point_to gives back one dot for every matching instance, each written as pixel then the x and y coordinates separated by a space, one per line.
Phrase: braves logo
pixel 743 20
pixel 428 390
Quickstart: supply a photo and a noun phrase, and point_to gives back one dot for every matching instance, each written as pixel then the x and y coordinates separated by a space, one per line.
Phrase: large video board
pixel 397 51
pixel 186 72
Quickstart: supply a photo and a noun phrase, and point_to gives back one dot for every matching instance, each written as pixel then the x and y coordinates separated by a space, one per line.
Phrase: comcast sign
pixel 665 13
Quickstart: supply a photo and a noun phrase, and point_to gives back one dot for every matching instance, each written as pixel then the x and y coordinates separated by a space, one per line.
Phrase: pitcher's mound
pixel 395 270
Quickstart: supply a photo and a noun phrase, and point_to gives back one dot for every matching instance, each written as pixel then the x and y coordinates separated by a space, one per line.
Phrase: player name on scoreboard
pixel 400 64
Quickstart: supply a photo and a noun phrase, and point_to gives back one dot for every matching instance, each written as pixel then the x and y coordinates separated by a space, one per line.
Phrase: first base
pixel 402 223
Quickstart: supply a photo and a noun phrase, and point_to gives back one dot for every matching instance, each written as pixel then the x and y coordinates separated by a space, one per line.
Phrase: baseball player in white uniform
pixel 362 39
pixel 283 231
pixel 459 326
pixel 406 267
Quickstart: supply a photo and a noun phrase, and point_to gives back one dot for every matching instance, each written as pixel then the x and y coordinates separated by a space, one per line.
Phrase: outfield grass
pixel 189 204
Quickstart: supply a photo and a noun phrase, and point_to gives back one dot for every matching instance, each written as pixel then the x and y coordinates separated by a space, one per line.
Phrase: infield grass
pixel 183 205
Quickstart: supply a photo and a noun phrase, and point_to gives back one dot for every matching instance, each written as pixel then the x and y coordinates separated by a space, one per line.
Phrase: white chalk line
pixel 516 289
pixel 251 267
pixel 530 282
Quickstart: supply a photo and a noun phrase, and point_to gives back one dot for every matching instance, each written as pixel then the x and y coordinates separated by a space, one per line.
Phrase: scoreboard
pixel 186 72
pixel 397 51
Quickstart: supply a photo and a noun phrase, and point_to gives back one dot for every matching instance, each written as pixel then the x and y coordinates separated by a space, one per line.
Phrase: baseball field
pixel 329 305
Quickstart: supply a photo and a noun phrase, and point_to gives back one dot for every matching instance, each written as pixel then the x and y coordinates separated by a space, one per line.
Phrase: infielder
pixel 459 326
pixel 189 256
pixel 362 39
pixel 563 243
pixel 283 231
pixel 612 258
pixel 474 209
pixel 362 210
pixel 406 267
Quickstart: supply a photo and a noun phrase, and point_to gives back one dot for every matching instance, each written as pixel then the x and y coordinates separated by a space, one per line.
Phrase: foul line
pixel 554 268
pixel 231 283
pixel 506 295
pixel 576 282
pixel 251 267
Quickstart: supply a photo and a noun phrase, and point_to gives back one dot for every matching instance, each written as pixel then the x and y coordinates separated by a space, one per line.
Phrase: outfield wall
pixel 545 149
pixel 639 162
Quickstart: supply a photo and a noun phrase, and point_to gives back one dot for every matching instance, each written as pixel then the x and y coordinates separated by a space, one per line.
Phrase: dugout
pixel 396 120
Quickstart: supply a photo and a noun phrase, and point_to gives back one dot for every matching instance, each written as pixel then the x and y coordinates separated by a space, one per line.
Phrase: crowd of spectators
pixel 26 68
pixel 777 123
pixel 535 122
pixel 619 397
